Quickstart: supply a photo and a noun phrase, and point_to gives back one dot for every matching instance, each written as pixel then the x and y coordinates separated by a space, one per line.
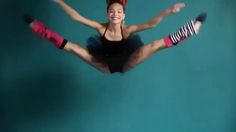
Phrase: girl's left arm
pixel 156 20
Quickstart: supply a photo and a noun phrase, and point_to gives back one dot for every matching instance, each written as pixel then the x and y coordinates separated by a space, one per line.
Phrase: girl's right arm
pixel 77 17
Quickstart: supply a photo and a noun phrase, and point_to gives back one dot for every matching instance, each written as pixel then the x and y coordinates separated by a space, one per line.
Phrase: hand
pixel 176 7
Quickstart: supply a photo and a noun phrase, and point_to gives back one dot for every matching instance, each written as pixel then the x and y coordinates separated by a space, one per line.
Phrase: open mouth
pixel 115 18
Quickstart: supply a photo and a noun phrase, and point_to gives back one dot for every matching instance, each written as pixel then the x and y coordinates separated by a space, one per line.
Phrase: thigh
pixel 86 56
pixel 143 53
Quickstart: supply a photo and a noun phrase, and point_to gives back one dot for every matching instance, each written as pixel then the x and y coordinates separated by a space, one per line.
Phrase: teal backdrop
pixel 187 88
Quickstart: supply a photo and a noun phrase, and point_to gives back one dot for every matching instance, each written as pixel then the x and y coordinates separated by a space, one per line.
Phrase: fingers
pixel 176 8
pixel 179 5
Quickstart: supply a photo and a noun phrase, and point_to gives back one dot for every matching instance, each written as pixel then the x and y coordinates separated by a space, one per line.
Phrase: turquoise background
pixel 187 88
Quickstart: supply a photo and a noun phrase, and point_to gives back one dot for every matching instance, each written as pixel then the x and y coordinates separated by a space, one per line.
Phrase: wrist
pixel 167 11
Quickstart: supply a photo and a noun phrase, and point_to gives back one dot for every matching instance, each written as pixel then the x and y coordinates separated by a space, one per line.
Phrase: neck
pixel 114 27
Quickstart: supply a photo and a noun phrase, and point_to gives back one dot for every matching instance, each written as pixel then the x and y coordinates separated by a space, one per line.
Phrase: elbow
pixel 75 16
pixel 152 25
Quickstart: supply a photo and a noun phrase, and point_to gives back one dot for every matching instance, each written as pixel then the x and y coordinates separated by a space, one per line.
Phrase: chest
pixel 122 33
pixel 113 47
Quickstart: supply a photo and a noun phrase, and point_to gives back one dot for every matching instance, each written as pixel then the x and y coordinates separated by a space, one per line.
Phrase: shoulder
pixel 126 31
pixel 102 28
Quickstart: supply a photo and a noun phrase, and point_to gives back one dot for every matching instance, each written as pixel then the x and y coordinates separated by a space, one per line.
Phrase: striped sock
pixel 186 31
pixel 183 33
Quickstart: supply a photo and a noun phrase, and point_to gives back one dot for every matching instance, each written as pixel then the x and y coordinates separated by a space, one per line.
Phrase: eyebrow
pixel 119 9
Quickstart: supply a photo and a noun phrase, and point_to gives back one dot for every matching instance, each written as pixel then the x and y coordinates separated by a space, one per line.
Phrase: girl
pixel 116 49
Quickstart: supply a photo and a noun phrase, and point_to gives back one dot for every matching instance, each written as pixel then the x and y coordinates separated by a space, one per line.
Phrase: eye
pixel 110 11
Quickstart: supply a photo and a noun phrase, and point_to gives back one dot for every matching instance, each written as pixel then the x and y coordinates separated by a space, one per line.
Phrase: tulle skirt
pixel 115 60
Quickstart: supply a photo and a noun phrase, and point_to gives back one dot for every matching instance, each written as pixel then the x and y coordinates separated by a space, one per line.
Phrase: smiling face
pixel 115 13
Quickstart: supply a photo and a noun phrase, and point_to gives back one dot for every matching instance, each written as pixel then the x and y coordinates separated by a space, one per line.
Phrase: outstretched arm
pixel 156 20
pixel 76 16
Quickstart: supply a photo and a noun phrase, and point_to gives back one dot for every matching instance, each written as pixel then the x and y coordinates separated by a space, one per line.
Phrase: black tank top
pixel 113 47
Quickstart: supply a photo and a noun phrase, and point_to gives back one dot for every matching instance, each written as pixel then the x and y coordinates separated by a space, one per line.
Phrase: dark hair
pixel 121 2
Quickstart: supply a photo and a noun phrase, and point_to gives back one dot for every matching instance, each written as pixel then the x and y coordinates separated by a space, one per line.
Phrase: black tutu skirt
pixel 115 57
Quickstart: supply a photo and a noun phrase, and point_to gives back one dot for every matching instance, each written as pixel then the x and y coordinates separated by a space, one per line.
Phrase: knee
pixel 69 47
pixel 158 44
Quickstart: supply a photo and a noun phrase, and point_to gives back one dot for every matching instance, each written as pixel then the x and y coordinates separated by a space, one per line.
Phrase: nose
pixel 115 13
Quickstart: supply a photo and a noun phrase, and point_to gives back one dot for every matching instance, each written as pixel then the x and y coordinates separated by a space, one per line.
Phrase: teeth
pixel 115 18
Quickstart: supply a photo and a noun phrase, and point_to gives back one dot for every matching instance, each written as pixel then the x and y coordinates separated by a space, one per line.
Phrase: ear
pixel 124 18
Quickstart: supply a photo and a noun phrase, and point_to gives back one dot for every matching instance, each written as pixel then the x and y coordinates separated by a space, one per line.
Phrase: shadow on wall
pixel 29 94
pixel 34 98
pixel 13 29
pixel 48 95
pixel 25 98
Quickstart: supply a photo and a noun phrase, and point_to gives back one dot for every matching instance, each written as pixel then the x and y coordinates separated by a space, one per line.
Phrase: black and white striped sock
pixel 186 31
pixel 183 33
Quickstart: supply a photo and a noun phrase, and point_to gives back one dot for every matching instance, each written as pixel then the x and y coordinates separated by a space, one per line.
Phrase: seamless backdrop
pixel 187 88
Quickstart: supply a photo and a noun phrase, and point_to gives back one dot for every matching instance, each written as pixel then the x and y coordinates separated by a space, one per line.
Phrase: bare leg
pixel 86 56
pixel 58 41
pixel 144 53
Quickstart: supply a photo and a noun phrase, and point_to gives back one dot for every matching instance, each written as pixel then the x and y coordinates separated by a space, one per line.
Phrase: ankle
pixel 197 26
